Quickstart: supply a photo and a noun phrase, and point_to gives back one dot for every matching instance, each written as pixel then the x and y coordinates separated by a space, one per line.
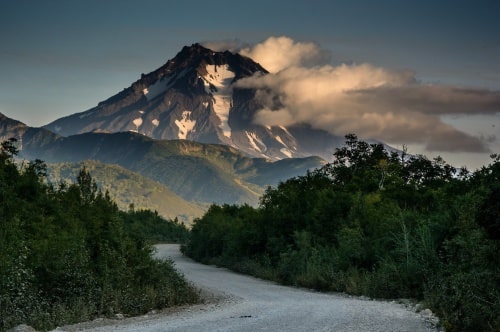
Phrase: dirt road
pixel 249 304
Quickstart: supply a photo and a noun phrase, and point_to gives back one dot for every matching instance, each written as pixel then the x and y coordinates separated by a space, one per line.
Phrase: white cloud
pixel 278 53
pixel 371 101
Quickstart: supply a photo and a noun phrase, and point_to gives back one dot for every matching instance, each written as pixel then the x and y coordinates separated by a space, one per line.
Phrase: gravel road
pixel 241 303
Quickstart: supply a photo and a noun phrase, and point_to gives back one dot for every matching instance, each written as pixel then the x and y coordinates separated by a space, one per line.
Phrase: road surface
pixel 243 303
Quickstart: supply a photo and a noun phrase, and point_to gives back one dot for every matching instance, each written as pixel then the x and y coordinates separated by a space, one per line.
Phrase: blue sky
pixel 59 57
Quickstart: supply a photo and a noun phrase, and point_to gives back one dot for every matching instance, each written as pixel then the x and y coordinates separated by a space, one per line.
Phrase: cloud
pixel 432 99
pixel 373 102
pixel 277 53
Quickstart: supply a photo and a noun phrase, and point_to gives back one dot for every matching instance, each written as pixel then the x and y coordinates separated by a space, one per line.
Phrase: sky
pixel 421 74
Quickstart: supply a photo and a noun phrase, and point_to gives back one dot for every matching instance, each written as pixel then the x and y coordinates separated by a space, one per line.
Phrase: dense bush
pixel 147 224
pixel 67 254
pixel 372 222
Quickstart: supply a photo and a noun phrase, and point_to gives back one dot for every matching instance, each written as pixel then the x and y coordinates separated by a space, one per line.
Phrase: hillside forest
pixel 375 223
pixel 68 254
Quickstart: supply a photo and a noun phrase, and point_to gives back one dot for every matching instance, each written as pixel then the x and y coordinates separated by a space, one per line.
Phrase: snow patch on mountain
pixel 155 122
pixel 157 88
pixel 278 138
pixel 256 142
pixel 285 130
pixel 286 152
pixel 137 122
pixel 185 124
pixel 218 83
pixel 280 141
pixel 291 140
pixel 162 85
pixel 286 149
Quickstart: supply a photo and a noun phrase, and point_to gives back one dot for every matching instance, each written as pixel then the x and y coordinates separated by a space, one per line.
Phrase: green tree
pixel 66 254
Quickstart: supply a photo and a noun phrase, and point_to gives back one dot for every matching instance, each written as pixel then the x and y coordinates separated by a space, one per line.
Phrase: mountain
pixel 197 172
pixel 28 137
pixel 126 187
pixel 193 97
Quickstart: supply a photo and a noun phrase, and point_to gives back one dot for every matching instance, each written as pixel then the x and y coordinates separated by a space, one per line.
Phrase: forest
pixel 379 223
pixel 68 254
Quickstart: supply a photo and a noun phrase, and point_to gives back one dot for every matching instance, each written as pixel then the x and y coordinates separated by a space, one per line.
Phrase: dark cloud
pixel 432 99
pixel 452 140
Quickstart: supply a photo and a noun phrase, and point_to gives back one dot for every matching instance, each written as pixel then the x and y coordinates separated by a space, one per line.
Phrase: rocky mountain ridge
pixel 193 96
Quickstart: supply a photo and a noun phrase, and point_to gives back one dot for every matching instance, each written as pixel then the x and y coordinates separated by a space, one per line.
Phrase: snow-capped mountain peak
pixel 193 97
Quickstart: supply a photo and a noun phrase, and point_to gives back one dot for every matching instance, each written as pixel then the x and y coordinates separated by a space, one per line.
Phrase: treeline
pixel 375 223
pixel 67 254
pixel 147 224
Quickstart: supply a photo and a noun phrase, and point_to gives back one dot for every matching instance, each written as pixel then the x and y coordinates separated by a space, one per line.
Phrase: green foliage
pixel 223 230
pixel 374 223
pixel 68 254
pixel 149 225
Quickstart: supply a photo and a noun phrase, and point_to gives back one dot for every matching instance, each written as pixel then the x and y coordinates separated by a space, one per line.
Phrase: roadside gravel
pixel 235 302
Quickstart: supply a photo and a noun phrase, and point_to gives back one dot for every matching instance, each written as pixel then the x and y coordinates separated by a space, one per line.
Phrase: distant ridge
pixel 196 172
pixel 128 188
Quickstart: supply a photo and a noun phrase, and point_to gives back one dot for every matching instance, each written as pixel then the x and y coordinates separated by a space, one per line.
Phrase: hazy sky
pixel 429 70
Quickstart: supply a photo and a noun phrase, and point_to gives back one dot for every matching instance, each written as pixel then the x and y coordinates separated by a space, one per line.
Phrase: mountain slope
pixel 126 187
pixel 201 173
pixel 197 172
pixel 27 137
pixel 194 97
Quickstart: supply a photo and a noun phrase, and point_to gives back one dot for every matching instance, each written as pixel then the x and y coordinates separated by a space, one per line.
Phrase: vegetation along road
pixel 250 304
